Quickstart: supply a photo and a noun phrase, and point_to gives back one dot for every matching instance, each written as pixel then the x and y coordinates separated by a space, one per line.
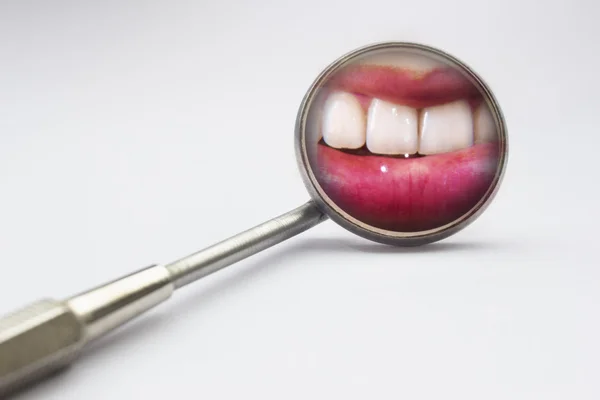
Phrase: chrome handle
pixel 50 334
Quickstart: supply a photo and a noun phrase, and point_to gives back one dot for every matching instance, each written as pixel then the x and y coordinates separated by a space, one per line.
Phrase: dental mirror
pixel 399 143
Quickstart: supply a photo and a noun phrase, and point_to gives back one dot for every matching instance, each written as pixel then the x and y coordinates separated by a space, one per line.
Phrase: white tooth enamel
pixel 484 126
pixel 391 129
pixel 343 121
pixel 445 128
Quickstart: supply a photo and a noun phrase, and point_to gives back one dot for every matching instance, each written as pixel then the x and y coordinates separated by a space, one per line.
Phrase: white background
pixel 137 132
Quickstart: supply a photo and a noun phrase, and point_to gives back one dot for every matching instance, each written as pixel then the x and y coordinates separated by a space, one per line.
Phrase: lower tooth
pixel 343 121
pixel 445 128
pixel 391 129
pixel 485 128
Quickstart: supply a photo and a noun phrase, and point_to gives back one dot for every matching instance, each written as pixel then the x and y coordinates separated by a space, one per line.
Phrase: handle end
pixel 37 340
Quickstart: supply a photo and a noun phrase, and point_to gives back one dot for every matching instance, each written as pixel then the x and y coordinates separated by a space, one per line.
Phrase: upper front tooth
pixel 391 129
pixel 343 121
pixel 485 128
pixel 446 128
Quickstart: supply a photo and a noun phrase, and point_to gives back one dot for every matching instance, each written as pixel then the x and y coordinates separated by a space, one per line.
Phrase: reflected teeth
pixel 391 129
pixel 446 128
pixel 483 121
pixel 343 122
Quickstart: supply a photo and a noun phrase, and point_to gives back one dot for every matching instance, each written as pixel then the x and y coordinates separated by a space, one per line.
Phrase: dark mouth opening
pixel 363 151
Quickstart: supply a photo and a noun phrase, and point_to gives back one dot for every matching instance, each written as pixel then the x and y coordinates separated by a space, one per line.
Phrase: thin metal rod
pixel 245 244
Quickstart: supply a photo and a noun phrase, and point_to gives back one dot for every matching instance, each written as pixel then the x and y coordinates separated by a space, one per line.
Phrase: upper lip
pixel 403 86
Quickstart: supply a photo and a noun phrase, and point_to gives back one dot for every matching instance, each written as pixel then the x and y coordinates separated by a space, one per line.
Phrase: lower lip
pixel 407 195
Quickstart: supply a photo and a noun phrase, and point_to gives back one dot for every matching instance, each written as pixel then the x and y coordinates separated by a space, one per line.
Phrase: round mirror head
pixel 401 143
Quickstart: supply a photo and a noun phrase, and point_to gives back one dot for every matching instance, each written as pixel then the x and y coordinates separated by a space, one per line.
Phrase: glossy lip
pixel 329 206
pixel 407 195
pixel 401 86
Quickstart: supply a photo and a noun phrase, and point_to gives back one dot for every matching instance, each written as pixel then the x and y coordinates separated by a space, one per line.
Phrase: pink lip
pixel 405 87
pixel 407 195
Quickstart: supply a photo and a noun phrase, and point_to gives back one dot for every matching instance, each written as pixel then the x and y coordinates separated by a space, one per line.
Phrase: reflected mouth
pixel 405 150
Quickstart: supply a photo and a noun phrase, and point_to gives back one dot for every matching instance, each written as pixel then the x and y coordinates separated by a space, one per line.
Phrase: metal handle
pixel 48 335
pixel 245 244
pixel 37 340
